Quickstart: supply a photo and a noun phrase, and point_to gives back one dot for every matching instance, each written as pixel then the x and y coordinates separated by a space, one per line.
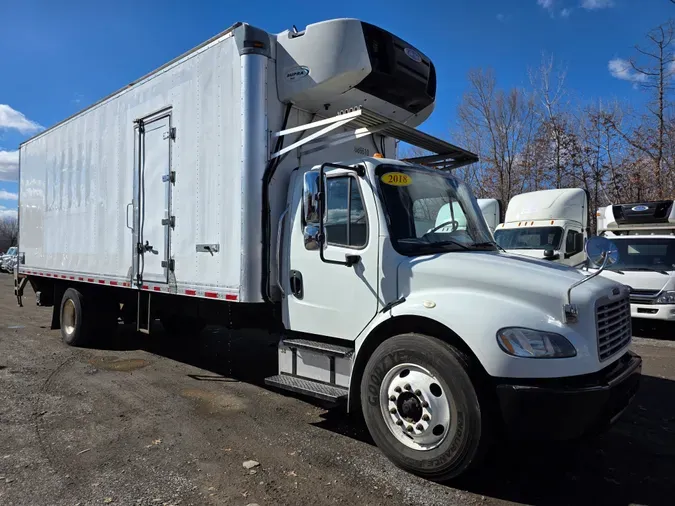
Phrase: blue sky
pixel 58 57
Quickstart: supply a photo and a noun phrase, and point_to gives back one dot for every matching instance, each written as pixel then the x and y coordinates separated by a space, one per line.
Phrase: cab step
pixel 326 348
pixel 313 368
pixel 323 391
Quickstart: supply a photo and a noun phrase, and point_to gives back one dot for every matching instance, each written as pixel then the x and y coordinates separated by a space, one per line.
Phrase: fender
pixel 475 317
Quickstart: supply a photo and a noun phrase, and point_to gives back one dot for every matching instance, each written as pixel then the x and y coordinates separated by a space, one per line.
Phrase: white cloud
pixel 9 165
pixel 5 195
pixel 501 17
pixel 11 119
pixel 6 212
pixel 546 4
pixel 622 69
pixel 592 5
pixel 565 13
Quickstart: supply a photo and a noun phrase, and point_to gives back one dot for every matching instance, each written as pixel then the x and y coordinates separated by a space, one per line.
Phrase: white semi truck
pixel 252 182
pixel 644 235
pixel 547 224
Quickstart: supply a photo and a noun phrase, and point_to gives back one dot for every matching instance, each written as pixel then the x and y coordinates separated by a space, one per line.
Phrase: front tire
pixel 421 407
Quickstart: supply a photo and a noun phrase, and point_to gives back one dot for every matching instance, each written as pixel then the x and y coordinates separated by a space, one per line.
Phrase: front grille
pixel 614 327
pixel 643 296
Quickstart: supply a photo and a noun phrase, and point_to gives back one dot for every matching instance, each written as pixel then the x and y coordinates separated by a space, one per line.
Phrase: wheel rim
pixel 69 316
pixel 418 411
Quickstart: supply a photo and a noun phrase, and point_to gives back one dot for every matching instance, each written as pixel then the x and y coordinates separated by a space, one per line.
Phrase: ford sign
pixel 413 55
pixel 639 208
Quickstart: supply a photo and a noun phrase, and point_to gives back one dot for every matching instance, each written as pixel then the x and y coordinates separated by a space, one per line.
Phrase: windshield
pixel 529 238
pixel 430 212
pixel 648 254
pixel 11 251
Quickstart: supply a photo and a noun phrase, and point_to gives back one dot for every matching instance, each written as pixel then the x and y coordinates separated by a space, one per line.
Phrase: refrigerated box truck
pixel 253 182
pixel 644 235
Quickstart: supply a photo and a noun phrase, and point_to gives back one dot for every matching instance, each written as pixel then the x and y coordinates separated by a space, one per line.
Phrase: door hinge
pixel 171 134
pixel 170 177
pixel 169 221
pixel 171 264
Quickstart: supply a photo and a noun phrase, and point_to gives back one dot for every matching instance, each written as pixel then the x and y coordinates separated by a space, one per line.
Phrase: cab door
pixel 335 296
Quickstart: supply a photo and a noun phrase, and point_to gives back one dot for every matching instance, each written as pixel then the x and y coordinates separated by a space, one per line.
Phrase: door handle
pixel 127 211
pixel 296 284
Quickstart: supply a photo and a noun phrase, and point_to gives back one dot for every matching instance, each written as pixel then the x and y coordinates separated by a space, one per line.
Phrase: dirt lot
pixel 146 422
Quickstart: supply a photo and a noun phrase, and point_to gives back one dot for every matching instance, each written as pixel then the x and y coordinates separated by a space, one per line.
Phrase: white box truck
pixel 252 182
pixel 492 212
pixel 547 224
pixel 644 235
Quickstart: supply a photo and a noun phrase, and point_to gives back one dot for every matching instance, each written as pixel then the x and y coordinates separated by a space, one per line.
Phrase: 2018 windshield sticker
pixel 396 179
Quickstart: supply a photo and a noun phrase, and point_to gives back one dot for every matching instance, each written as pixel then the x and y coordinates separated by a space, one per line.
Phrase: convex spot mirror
pixel 600 249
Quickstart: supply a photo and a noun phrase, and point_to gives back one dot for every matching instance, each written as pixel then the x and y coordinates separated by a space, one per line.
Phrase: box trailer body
pixel 547 224
pixel 253 182
pixel 644 235
pixel 492 210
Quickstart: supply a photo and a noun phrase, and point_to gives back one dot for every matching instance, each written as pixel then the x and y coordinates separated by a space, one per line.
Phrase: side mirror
pixel 601 251
pixel 310 210
pixel 549 254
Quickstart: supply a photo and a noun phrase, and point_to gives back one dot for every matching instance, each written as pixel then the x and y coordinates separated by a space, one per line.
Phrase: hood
pixel 536 282
pixel 642 280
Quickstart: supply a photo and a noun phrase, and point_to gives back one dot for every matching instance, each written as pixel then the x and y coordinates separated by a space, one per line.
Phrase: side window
pixel 346 222
pixel 574 243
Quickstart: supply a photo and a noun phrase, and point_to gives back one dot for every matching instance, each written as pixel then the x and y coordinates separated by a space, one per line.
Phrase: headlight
pixel 666 298
pixel 529 343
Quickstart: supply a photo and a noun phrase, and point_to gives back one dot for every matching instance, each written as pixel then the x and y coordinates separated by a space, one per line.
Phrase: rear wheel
pixel 421 407
pixel 85 318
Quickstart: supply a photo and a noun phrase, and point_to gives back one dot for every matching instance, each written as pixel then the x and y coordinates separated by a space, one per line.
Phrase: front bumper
pixel 569 408
pixel 653 311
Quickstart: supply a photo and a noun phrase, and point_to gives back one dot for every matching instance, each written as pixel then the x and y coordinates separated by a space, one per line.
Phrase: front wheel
pixel 421 407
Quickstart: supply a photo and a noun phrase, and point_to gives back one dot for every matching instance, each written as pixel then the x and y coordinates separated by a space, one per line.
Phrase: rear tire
pixel 75 326
pixel 421 407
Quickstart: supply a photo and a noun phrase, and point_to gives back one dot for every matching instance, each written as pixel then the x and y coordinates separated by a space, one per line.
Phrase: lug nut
pixel 410 428
pixel 392 398
pixel 408 387
pixel 425 404
pixel 419 427
pixel 399 422
pixel 397 390
pixel 392 411
pixel 418 393
pixel 426 418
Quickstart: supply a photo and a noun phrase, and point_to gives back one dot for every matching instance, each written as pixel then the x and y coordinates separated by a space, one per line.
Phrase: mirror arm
pixel 602 268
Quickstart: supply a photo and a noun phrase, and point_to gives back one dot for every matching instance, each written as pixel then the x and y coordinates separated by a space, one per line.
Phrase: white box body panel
pixel 568 204
pixel 77 179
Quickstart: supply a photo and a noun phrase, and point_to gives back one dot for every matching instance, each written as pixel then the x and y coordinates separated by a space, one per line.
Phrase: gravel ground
pixel 145 422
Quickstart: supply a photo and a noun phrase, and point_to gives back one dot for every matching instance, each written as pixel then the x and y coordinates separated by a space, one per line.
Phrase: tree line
pixel 541 136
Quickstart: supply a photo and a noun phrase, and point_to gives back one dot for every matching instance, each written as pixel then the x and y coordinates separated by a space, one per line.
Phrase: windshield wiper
pixel 646 269
pixel 446 243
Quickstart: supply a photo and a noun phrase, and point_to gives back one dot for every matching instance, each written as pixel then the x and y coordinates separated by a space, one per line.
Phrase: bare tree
pixel 9 229
pixel 655 68
pixel 498 125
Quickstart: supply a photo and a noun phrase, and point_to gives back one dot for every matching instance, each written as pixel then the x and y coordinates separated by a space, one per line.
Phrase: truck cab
pixel 644 235
pixel 547 224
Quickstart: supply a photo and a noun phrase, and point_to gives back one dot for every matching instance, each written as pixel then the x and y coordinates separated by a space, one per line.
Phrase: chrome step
pixel 308 387
pixel 329 349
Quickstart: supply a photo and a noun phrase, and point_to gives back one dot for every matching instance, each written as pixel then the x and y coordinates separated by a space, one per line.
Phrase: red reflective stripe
pixel 91 280
pixel 190 292
pixel 125 284
pixel 156 288
pixel 63 276
pixel 48 275
pixel 145 287
pixel 72 277
pixel 80 279
pixel 114 283
pixel 101 281
pixel 211 295
pixel 230 296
